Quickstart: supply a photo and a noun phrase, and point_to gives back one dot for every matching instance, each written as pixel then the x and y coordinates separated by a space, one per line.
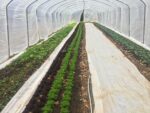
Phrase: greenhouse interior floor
pixel 117 85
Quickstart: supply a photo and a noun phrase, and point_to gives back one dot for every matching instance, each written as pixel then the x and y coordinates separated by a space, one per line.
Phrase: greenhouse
pixel 74 56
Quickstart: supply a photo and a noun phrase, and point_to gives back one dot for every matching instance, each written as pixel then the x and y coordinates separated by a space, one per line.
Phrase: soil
pixel 143 68
pixel 80 99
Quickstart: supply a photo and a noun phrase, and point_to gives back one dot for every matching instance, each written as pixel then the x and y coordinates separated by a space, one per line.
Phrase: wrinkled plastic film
pixel 23 23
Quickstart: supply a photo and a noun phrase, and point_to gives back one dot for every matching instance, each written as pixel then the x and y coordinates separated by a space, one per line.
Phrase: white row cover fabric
pixel 25 22
pixel 117 85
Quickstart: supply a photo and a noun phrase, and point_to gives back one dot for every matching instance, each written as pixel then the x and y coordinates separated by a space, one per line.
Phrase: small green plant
pixel 139 52
pixel 65 102
pixel 58 82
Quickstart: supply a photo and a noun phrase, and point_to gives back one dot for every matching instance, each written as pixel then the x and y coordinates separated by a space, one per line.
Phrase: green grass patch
pixel 139 52
pixel 14 75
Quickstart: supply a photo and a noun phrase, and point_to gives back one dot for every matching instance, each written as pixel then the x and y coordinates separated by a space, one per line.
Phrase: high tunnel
pixel 24 23
pixel 116 40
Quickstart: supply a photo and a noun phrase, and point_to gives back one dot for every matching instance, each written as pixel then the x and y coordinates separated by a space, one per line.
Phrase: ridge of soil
pixel 143 68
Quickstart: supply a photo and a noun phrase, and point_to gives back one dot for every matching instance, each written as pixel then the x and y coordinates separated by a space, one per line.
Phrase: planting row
pixel 54 93
pixel 139 52
pixel 65 102
pixel 67 68
pixel 14 75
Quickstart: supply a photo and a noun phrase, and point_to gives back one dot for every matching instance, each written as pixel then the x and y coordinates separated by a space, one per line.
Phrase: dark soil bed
pixel 80 99
pixel 143 68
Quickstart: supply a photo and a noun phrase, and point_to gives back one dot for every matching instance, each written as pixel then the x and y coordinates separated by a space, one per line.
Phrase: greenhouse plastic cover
pixel 25 22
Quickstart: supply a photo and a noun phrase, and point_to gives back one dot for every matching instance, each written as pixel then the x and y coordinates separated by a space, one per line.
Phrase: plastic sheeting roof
pixel 25 22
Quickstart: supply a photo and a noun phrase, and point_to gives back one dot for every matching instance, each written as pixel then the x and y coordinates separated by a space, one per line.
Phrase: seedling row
pixel 67 68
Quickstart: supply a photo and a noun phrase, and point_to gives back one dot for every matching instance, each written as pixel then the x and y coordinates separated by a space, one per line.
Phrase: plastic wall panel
pixel 147 27
pixel 41 15
pixel 125 27
pixel 33 30
pixel 136 20
pixel 3 34
pixel 4 49
pixel 18 25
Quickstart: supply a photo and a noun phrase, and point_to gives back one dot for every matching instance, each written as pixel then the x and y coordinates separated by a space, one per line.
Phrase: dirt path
pixel 117 85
